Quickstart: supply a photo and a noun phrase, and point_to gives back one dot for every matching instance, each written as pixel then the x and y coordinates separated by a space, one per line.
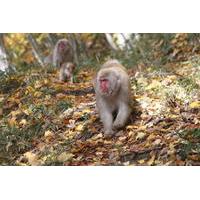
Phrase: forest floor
pixel 46 122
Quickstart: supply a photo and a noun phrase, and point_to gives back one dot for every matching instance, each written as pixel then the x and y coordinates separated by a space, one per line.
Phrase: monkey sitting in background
pixel 62 58
pixel 62 53
pixel 66 72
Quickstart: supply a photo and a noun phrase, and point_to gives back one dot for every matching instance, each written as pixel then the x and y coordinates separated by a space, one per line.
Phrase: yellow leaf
pixel 195 104
pixel 1 99
pixel 29 89
pixel 48 134
pixel 79 127
pixel 37 94
pixel 100 135
pixel 86 110
pixel 1 111
pixel 12 121
pixel 140 135
pixel 45 81
pixel 63 157
pixel 131 133
pixel 15 113
pixel 141 161
pixel 23 122
pixel 151 160
pixel 27 111
pixel 131 127
pixel 153 85
pixel 47 97
pixel 32 158
pixel 38 84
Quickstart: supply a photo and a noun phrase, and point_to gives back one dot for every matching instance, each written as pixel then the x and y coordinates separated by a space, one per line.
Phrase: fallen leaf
pixel 48 134
pixel 12 121
pixel 140 135
pixel 15 113
pixel 86 110
pixel 32 158
pixel 151 160
pixel 157 142
pixel 100 135
pixel 141 161
pixel 79 127
pixel 63 157
pixel 23 122
pixel 1 111
pixel 153 85
pixel 195 104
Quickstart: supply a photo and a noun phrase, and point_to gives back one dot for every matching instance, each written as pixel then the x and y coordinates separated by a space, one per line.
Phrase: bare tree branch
pixel 4 65
pixel 73 42
pixel 111 42
pixel 36 49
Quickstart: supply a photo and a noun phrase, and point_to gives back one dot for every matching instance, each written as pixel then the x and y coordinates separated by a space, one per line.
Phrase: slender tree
pixel 36 49
pixel 4 65
pixel 111 42
pixel 74 45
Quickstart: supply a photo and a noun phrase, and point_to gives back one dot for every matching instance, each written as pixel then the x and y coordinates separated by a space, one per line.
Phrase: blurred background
pixel 19 51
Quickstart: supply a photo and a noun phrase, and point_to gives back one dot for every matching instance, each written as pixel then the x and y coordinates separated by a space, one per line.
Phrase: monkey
pixel 66 72
pixel 113 96
pixel 62 53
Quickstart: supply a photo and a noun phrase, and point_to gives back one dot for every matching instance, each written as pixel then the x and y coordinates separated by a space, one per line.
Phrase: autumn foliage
pixel 47 122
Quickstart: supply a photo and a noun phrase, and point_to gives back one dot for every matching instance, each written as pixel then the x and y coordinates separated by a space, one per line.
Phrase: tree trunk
pixel 111 42
pixel 51 39
pixel 127 41
pixel 4 65
pixel 36 49
pixel 81 44
pixel 73 42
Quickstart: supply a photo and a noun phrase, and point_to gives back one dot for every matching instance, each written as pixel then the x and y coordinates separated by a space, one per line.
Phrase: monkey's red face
pixel 104 85
pixel 62 46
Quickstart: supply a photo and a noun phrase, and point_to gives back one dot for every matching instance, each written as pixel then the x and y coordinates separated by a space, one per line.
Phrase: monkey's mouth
pixel 110 92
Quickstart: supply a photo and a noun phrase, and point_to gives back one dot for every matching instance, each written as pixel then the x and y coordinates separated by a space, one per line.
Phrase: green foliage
pixel 62 106
pixel 188 83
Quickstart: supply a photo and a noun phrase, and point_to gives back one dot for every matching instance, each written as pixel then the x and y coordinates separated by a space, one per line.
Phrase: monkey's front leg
pixel 122 116
pixel 107 119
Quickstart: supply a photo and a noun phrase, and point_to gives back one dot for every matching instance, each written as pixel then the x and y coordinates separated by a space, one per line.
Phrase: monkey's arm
pixel 122 116
pixel 106 117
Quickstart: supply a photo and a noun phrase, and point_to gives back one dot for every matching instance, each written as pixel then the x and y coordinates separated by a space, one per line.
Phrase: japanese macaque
pixel 113 96
pixel 66 72
pixel 62 53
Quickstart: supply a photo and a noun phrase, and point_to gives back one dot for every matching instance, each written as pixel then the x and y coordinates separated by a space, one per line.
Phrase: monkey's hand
pixel 109 133
pixel 117 125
